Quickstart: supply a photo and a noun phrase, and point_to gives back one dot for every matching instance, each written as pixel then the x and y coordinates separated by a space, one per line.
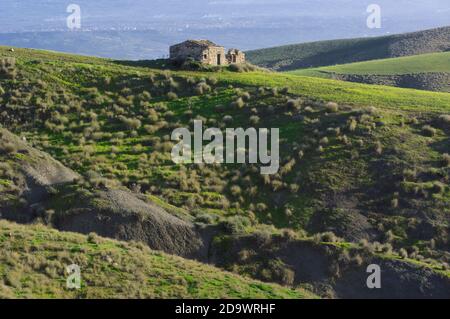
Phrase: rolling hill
pixel 326 53
pixel 363 178
pixel 427 72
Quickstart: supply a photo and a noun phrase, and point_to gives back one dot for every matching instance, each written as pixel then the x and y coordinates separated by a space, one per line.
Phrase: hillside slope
pixel 33 261
pixel 370 170
pixel 324 53
pixel 35 187
pixel 427 72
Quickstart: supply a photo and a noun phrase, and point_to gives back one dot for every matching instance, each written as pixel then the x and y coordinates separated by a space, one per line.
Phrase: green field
pixel 433 62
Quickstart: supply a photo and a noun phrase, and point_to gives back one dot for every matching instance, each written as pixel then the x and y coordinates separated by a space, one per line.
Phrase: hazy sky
pixel 19 15
pixel 247 24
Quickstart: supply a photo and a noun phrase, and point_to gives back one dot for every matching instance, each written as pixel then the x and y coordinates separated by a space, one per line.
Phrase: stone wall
pixel 186 50
pixel 212 55
pixel 235 56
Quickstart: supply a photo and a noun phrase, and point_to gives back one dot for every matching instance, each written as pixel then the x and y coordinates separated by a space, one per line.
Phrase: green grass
pixel 325 89
pixel 346 92
pixel 434 62
pixel 33 261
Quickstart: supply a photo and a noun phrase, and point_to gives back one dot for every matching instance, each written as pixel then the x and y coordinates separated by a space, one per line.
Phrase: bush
pixel 445 119
pixel 239 103
pixel 262 237
pixel 352 124
pixel 309 109
pixel 236 224
pixel 172 96
pixel 8 148
pixel 378 148
pixel 275 270
pixel 332 107
pixel 227 119
pixel 235 190
pixel 327 237
pixel 403 253
pixel 131 124
pixel 324 141
pixel 254 119
pixel 246 96
pixel 446 160
pixel 246 67
pixel 202 88
pixel 389 236
pixel 93 238
pixel 394 203
pixel 293 104
pixel 427 130
pixel 207 219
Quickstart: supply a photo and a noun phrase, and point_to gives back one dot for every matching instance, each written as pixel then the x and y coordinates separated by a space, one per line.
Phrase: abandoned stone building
pixel 206 52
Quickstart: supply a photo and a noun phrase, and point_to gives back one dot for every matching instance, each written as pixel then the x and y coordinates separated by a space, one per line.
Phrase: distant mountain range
pixel 326 53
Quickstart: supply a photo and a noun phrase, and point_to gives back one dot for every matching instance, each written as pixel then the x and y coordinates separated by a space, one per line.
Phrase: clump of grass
pixel 327 237
pixel 446 160
pixel 428 130
pixel 294 104
pixel 254 119
pixel 394 203
pixel 236 224
pixel 131 124
pixel 445 119
pixel 403 253
pixel 7 147
pixel 245 67
pixel 172 96
pixel 238 103
pixel 378 148
pixel 332 107
pixel 202 88
pixel 352 124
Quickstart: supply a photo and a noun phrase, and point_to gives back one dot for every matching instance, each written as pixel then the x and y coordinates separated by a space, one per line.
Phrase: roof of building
pixel 203 43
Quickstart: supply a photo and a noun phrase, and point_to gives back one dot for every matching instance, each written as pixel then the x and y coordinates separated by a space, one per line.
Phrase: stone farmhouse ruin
pixel 206 52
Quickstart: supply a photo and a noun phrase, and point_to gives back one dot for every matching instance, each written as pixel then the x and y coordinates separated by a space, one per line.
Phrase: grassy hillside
pixel 365 162
pixel 33 260
pixel 325 53
pixel 426 63
pixel 347 93
pixel 425 72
